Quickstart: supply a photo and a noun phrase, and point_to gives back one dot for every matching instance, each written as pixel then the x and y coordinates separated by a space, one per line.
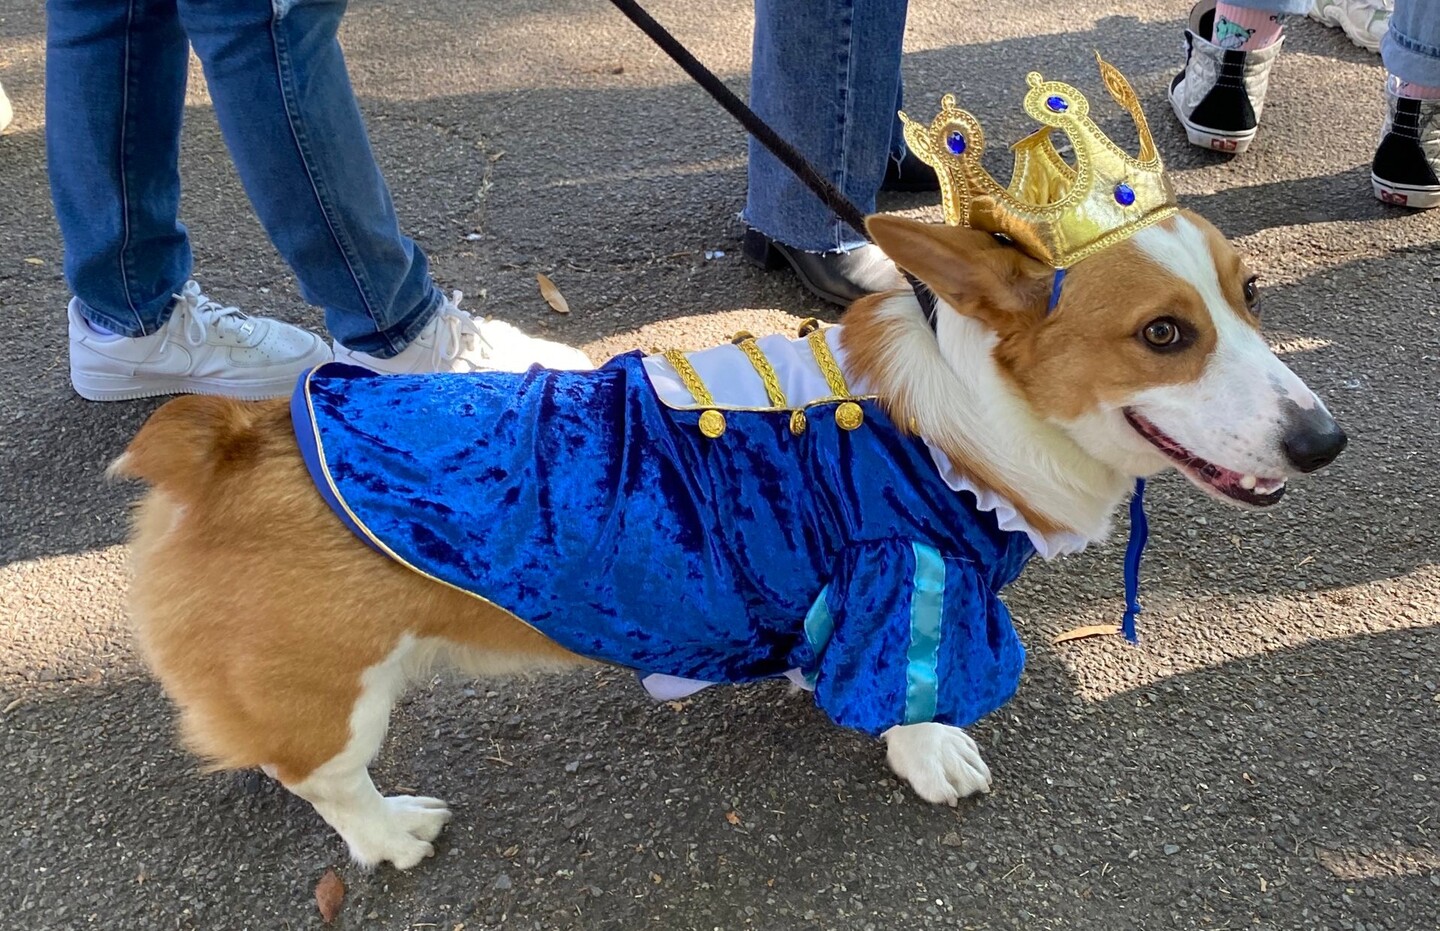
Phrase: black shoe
pixel 909 176
pixel 838 277
pixel 1407 162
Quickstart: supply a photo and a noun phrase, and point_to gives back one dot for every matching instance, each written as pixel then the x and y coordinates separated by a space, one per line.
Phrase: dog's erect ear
pixel 973 271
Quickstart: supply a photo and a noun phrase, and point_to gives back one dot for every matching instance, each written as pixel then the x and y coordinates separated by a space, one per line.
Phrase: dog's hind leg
pixel 377 829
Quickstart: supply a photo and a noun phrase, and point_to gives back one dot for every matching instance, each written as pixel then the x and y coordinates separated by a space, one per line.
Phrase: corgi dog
pixel 843 507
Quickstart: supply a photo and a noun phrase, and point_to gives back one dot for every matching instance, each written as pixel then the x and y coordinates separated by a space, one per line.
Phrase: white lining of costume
pixel 735 385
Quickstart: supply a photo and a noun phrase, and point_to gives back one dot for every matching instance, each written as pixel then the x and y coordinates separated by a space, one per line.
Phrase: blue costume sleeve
pixel 905 635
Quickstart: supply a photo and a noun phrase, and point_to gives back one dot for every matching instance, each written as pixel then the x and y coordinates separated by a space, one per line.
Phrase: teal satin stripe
pixel 927 607
pixel 819 626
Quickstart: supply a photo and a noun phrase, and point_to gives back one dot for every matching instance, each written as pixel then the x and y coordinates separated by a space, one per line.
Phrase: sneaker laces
pixel 458 334
pixel 202 313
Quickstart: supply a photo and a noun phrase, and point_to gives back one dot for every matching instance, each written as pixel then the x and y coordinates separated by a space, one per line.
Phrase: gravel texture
pixel 1267 759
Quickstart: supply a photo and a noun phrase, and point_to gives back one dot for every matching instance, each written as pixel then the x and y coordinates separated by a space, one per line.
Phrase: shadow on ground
pixel 1256 786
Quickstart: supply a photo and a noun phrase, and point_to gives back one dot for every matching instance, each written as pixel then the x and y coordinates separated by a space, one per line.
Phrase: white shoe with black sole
pixel 1406 168
pixel 1220 94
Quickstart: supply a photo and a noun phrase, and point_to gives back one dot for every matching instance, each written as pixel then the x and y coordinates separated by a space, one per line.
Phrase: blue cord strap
pixel 1139 534
pixel 1055 289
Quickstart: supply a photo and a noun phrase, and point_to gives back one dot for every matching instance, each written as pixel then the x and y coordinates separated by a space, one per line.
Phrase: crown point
pixel 1048 209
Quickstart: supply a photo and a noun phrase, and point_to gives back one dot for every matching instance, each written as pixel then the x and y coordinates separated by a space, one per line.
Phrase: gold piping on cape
pixel 828 366
pixel 690 377
pixel 765 370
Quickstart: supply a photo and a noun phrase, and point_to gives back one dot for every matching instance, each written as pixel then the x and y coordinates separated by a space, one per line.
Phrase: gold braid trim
pixel 765 370
pixel 690 377
pixel 828 366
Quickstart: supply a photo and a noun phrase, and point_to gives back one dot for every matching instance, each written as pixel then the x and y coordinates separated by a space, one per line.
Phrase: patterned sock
pixel 1243 30
pixel 1419 91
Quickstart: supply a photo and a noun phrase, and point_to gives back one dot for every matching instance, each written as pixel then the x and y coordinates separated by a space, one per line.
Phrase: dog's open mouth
pixel 1246 489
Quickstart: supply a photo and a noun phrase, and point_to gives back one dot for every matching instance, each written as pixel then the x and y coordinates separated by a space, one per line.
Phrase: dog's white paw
pixel 402 835
pixel 941 763
pixel 423 817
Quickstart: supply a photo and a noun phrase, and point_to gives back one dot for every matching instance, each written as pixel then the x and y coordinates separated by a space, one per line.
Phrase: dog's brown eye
pixel 1252 291
pixel 1163 333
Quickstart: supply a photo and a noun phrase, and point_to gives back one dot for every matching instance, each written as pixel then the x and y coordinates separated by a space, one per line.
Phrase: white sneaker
pixel 7 113
pixel 1364 21
pixel 455 341
pixel 203 348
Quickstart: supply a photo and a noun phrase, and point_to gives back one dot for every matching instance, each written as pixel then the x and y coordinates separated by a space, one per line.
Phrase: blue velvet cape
pixel 583 505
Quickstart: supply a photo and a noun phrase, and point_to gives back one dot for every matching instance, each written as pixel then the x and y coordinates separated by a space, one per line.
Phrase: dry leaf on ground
pixel 1080 633
pixel 732 818
pixel 552 295
pixel 330 895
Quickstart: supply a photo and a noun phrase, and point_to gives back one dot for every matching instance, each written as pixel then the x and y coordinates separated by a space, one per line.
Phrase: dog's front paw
pixel 941 763
pixel 402 835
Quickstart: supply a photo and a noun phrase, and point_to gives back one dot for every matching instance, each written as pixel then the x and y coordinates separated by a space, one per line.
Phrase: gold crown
pixel 1054 212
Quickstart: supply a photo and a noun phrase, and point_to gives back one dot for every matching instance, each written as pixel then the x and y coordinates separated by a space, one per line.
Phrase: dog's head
pixel 1152 357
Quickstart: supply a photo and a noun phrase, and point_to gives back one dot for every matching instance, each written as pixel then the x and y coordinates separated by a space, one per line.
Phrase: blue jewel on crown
pixel 1058 104
pixel 1124 194
pixel 955 142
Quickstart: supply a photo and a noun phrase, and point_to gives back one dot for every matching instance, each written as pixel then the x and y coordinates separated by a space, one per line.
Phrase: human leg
pixel 289 116
pixel 115 97
pixel 114 101
pixel 283 96
pixel 1220 94
pixel 1406 167
pixel 826 76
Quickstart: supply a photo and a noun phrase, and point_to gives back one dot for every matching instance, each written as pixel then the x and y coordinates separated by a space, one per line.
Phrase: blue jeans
pixel 1411 48
pixel 826 76
pixel 115 98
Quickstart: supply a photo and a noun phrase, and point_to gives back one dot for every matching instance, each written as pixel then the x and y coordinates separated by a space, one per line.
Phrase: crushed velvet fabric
pixel 586 507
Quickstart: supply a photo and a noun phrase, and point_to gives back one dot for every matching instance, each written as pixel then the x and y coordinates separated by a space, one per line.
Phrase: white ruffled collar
pixel 1007 517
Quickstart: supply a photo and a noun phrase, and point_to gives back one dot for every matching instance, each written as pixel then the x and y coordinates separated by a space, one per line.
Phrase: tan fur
pixel 1103 359
pixel 1086 353
pixel 257 608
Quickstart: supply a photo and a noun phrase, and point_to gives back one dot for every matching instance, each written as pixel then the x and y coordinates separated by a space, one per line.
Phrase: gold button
pixel 712 424
pixel 849 415
pixel 742 336
pixel 808 326
pixel 797 422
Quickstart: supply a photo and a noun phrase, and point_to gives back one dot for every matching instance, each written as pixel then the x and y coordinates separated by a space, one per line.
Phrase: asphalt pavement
pixel 1266 759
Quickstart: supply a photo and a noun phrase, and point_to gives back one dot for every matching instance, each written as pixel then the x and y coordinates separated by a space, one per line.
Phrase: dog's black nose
pixel 1313 440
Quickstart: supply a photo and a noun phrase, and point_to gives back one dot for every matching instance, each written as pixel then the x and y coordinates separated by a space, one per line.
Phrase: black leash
pixel 847 211
pixel 788 155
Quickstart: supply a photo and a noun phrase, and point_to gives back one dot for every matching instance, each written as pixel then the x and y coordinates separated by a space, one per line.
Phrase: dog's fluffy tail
pixel 188 440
